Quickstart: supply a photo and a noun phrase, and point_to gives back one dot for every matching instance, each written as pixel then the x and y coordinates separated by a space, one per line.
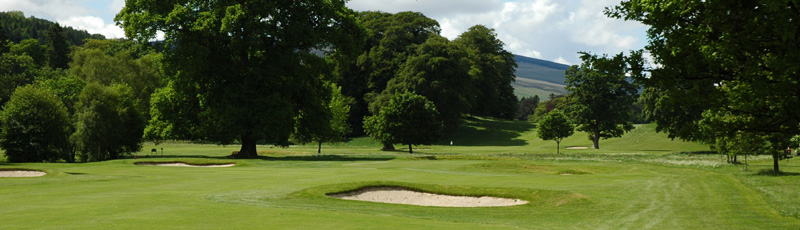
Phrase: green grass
pixel 640 181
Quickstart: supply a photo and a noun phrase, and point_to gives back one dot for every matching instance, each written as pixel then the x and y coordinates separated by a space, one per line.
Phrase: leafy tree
pixel 739 66
pixel 527 107
pixel 602 94
pixel 555 126
pixel 243 70
pixel 390 39
pixel 409 119
pixel 335 128
pixel 107 123
pixel 15 71
pixel 65 87
pixel 57 48
pixel 492 70
pixel 35 127
pixel 31 48
pixel 141 75
pixel 438 70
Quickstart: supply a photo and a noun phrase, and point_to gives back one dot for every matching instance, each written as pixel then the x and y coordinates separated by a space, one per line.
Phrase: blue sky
pixel 546 29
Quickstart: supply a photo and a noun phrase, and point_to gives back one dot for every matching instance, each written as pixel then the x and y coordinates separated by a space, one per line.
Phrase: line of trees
pixel 63 103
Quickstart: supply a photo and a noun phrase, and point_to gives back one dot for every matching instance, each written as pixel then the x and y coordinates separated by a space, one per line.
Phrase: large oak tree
pixel 602 95
pixel 242 69
pixel 722 68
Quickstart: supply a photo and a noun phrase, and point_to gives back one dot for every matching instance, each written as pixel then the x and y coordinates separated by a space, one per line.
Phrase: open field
pixel 636 182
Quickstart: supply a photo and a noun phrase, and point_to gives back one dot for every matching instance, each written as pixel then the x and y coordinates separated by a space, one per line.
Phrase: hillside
pixel 17 28
pixel 538 77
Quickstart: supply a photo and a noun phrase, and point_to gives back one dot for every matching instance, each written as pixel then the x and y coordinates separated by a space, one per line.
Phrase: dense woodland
pixel 238 76
pixel 17 28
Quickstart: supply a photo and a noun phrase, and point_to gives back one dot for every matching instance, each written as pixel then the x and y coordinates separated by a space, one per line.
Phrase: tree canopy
pixel 492 70
pixel 602 95
pixel 555 126
pixel 728 65
pixel 244 69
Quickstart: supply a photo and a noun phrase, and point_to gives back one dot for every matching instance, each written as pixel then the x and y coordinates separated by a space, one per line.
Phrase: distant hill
pixel 17 28
pixel 538 77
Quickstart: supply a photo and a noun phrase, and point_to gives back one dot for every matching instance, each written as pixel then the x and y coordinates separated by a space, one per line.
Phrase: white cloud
pixel 94 25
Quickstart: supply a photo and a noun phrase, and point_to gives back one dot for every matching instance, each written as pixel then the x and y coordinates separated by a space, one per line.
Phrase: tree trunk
pixel 410 150
pixel 388 147
pixel 596 140
pixel 248 148
pixel 775 167
pixel 319 148
pixel 558 147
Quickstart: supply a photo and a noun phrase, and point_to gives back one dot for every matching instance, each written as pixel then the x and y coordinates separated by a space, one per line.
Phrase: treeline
pixel 74 103
pixel 17 28
pixel 404 52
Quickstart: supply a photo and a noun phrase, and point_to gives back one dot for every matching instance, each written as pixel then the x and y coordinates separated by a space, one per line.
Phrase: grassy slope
pixel 538 77
pixel 635 182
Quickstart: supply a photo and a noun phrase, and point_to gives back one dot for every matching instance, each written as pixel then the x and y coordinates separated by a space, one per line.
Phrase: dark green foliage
pixel 719 72
pixel 244 69
pixel 107 123
pixel 57 48
pixel 35 127
pixel 602 94
pixel 15 71
pixel 18 28
pixel 330 126
pixel 390 40
pixel 555 126
pixel 409 119
pixel 526 107
pixel 3 40
pixel 438 70
pixel 492 70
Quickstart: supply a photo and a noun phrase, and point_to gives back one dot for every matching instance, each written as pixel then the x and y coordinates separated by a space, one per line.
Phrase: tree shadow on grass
pixel 484 132
pixel 769 172
pixel 286 158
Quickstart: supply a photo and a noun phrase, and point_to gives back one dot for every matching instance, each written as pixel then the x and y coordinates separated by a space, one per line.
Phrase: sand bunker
pixel 397 195
pixel 577 147
pixel 179 164
pixel 21 173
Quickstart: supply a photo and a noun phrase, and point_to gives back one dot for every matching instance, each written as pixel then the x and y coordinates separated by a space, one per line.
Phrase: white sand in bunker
pixel 577 147
pixel 397 195
pixel 179 164
pixel 21 173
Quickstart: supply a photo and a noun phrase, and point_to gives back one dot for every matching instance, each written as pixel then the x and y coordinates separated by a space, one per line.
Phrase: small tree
pixel 328 126
pixel 555 126
pixel 107 123
pixel 409 119
pixel 35 127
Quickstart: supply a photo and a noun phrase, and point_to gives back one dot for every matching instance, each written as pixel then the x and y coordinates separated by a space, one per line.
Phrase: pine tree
pixel 57 48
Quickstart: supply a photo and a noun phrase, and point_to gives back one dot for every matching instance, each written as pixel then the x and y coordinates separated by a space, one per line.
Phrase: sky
pixel 554 30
